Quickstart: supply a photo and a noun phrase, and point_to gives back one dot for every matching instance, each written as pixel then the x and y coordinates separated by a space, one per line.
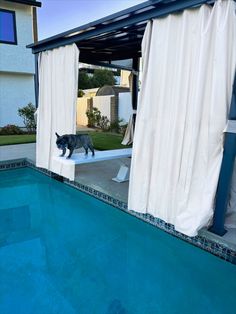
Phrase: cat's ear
pixel 57 135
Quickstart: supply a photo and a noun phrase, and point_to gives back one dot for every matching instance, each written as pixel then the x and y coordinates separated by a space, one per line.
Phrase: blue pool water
pixel 62 251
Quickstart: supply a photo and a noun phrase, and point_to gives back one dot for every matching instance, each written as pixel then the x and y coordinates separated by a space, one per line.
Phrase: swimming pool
pixel 62 251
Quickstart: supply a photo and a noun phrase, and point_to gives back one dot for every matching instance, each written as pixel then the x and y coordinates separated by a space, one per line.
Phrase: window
pixel 7 27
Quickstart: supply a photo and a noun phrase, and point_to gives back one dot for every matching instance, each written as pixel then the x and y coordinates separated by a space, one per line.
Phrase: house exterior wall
pixel 17 66
pixel 82 107
pixel 17 58
pixel 125 78
pixel 16 90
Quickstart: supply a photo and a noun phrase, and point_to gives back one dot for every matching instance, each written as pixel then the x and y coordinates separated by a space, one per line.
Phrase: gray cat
pixel 72 142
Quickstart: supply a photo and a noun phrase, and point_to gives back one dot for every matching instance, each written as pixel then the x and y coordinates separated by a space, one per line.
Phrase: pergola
pixel 108 41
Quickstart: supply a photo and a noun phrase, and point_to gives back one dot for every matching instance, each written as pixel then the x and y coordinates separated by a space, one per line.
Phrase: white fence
pixel 125 107
pixel 103 103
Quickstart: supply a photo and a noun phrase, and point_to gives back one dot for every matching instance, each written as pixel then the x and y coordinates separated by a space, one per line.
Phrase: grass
pixel 17 139
pixel 106 141
pixel 101 140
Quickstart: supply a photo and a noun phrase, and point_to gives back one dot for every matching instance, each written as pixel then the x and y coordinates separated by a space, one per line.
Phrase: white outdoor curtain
pixel 58 83
pixel 129 132
pixel 188 69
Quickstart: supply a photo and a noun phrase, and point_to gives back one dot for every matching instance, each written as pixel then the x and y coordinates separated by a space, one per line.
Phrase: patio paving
pixel 11 152
pixel 99 176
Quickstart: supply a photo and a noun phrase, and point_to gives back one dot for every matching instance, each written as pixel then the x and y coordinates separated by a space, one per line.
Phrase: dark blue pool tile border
pixel 31 164
pixel 219 249
pixel 12 164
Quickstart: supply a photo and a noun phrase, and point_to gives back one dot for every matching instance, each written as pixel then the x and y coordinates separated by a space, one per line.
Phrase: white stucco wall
pixel 103 103
pixel 82 107
pixel 125 107
pixel 16 90
pixel 17 58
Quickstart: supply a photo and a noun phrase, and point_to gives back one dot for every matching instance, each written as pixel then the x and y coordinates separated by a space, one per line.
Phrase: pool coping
pixel 213 245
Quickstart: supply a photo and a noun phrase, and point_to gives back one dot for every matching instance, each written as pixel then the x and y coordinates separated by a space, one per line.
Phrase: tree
pixel 27 113
pixel 100 78
pixel 103 77
pixel 85 81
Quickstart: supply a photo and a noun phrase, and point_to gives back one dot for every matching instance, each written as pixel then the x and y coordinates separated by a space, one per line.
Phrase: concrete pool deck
pixel 99 177
pixel 11 152
pixel 96 175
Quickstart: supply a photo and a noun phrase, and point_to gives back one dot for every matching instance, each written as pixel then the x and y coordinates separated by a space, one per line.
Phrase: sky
pixel 56 16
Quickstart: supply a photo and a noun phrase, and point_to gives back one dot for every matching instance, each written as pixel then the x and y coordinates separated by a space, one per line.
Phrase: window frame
pixel 14 28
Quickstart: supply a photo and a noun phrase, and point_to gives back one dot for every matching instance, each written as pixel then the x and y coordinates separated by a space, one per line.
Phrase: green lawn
pixel 106 141
pixel 101 140
pixel 16 139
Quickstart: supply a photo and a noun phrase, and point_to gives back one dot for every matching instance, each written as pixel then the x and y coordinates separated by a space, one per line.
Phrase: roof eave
pixel 27 2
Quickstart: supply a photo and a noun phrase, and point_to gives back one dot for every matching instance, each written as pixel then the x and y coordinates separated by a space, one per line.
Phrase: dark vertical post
pixel 226 172
pixel 35 23
pixel 135 81
pixel 135 67
pixel 36 81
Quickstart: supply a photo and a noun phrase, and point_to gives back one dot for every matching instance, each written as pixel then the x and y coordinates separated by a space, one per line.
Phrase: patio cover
pixel 117 36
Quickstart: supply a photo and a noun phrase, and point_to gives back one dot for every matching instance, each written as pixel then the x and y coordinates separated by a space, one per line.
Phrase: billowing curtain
pixel 188 70
pixel 129 133
pixel 58 83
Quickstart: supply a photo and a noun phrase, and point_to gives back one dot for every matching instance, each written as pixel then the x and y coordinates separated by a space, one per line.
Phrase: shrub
pixel 115 126
pixel 10 129
pixel 104 123
pixel 94 117
pixel 27 113
pixel 80 93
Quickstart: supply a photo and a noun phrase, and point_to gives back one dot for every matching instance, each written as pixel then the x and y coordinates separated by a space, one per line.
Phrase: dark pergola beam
pixel 133 30
pixel 109 65
pixel 125 45
pixel 160 10
pixel 109 56
pixel 106 44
